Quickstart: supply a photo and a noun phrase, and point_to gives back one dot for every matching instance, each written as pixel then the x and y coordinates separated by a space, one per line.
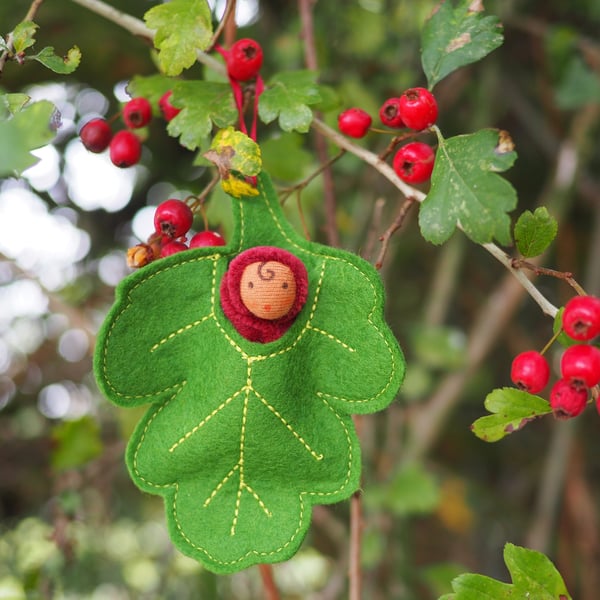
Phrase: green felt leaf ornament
pixel 533 576
pixel 455 36
pixel 242 438
pixel 511 410
pixel 466 188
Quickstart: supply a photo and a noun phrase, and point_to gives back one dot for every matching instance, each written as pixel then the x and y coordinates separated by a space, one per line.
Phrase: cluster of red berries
pixel 415 109
pixel 579 365
pixel 172 222
pixel 125 147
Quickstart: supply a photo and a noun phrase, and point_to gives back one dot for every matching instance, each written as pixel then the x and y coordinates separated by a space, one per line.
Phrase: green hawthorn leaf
pixel 533 576
pixel 23 36
pixel 30 128
pixel 288 97
pixel 183 27
pixel 151 87
pixel 579 86
pixel 467 190
pixel 10 104
pixel 242 438
pixel 511 410
pixel 233 150
pixel 455 36
pixel 562 338
pixel 75 443
pixel 3 44
pixel 203 103
pixel 62 65
pixel 534 232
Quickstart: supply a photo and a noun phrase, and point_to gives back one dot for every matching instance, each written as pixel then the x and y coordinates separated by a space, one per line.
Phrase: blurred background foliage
pixel 437 500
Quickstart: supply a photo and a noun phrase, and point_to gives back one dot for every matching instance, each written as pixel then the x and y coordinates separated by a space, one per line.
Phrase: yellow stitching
pixel 205 420
pixel 220 485
pixel 331 337
pixel 257 498
pixel 180 331
pixel 289 427
pixel 238 499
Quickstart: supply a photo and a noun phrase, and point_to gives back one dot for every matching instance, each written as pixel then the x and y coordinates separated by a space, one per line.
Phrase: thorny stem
pixel 519 263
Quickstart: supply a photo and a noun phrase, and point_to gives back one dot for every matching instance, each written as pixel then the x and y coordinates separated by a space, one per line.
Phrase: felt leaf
pixel 62 65
pixel 534 232
pixel 30 128
pixel 23 36
pixel 182 28
pixel 466 188
pixel 242 438
pixel 533 576
pixel 203 103
pixel 288 97
pixel 511 410
pixel 455 36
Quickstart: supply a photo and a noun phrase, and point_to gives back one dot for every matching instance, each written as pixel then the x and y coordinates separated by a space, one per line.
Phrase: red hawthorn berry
pixel 172 247
pixel 96 135
pixel 389 113
pixel 566 400
pixel 137 113
pixel 418 108
pixel 206 238
pixel 530 371
pixel 125 149
pixel 580 365
pixel 413 163
pixel 173 219
pixel 244 59
pixel 168 111
pixel 581 317
pixel 354 122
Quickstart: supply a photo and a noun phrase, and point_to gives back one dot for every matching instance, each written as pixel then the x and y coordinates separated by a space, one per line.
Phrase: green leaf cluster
pixel 533 576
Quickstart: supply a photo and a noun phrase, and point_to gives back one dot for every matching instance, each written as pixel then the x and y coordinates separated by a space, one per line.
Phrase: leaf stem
pixel 520 263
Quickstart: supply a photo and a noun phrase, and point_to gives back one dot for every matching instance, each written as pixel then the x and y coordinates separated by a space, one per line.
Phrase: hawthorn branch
pixel 387 234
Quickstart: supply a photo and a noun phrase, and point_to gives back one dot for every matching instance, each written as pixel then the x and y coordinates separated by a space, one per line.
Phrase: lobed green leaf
pixel 467 190
pixel 534 232
pixel 511 410
pixel 533 576
pixel 203 103
pixel 23 36
pixel 61 65
pixel 183 27
pixel 288 97
pixel 457 36
pixel 30 128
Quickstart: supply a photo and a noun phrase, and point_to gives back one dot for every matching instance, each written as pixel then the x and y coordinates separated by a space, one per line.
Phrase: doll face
pixel 268 289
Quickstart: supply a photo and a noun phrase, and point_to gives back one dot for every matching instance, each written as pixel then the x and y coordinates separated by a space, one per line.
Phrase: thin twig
pixel 287 192
pixel 375 223
pixel 356 529
pixel 310 58
pixel 266 573
pixel 520 263
pixel 302 217
pixel 389 232
pixel 229 10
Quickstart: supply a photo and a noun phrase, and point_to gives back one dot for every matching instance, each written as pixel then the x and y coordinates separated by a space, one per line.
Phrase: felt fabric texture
pixel 242 438
pixel 265 268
